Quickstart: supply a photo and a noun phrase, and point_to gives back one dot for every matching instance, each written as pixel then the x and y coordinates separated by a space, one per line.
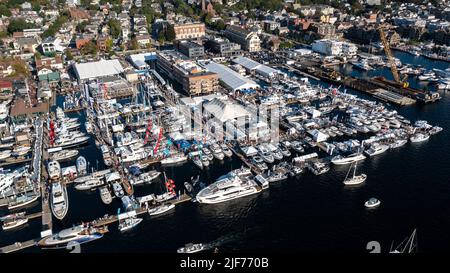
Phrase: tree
pixel 114 28
pixel 170 34
pixel 220 25
pixel 109 45
pixel 4 10
pixel 37 55
pixel 161 37
pixel 69 55
pixel 134 44
pixel 19 24
pixel 81 26
pixel 56 26
pixel 89 48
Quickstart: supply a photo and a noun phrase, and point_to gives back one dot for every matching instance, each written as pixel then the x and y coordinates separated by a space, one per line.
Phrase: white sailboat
pixel 408 246
pixel 355 179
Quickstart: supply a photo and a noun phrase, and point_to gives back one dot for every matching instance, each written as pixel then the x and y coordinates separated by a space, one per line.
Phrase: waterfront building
pixel 249 40
pixel 223 47
pixel 194 79
pixel 190 49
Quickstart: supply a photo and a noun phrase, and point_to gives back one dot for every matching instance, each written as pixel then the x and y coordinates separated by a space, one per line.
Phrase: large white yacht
pixel 343 160
pixel 78 234
pixel 228 187
pixel 60 200
pixel 376 149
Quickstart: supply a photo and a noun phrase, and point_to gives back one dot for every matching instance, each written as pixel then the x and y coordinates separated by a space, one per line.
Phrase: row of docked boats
pixel 202 157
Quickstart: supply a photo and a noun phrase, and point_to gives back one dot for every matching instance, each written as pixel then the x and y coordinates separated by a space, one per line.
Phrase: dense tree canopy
pixel 18 25
pixel 114 28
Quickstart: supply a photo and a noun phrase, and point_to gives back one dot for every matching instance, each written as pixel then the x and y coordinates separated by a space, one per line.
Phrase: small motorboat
pixel 14 220
pixel 160 209
pixel 226 150
pixel 372 203
pixel 191 248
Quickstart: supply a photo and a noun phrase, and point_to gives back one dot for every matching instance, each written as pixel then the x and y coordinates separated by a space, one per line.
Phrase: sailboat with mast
pixel 409 245
pixel 355 179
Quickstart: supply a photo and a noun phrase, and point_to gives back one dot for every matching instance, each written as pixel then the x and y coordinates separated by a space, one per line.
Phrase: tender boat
pixel 217 151
pixel 118 190
pixel 78 234
pixel 145 178
pixel 318 167
pixel 160 209
pixel 276 177
pixel 129 223
pixel 81 165
pixel 63 155
pixel 398 143
pixel 14 221
pixel 372 202
pixel 105 195
pixel 284 151
pixel 54 170
pixel 376 149
pixel 343 160
pixel 174 159
pixel 60 200
pixel 226 150
pixel 419 137
pixel 207 153
pixel 191 248
pixel 89 184
pixel 355 179
pixel 297 146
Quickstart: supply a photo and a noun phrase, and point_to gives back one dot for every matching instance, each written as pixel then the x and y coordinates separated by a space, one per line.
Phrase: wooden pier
pixel 12 162
pixel 142 210
pixel 18 246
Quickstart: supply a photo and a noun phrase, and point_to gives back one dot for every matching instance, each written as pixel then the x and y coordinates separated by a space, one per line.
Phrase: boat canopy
pixel 249 150
pixel 112 176
pixel 126 215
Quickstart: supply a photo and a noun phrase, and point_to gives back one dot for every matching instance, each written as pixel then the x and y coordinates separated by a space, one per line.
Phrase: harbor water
pixel 306 214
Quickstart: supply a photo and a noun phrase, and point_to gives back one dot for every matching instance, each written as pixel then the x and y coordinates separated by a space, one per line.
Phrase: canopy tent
pixel 249 151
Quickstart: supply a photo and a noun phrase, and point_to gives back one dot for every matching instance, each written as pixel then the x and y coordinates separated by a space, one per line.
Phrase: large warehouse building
pixel 230 78
pixel 93 70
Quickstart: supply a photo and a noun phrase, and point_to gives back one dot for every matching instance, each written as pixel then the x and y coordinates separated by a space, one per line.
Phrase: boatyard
pixel 215 137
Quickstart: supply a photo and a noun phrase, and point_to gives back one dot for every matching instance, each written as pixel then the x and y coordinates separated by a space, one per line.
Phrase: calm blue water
pixel 310 214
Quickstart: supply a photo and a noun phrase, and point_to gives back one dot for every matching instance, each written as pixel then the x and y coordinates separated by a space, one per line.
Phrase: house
pixel 6 69
pixel 102 42
pixel 51 45
pixel 5 86
pixel 143 40
pixel 49 62
pixel 26 44
pixel 249 40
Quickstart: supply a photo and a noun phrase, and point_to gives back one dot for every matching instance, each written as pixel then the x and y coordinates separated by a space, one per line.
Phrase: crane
pixel 390 57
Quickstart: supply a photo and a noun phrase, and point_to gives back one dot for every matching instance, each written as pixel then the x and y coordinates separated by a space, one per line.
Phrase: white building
pixel 102 68
pixel 230 78
pixel 334 48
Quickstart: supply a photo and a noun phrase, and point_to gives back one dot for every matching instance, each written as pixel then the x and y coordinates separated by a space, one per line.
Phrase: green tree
pixel 170 34
pixel 37 55
pixel 161 37
pixel 134 44
pixel 4 10
pixel 81 26
pixel 89 48
pixel 109 45
pixel 18 25
pixel 69 55
pixel 114 28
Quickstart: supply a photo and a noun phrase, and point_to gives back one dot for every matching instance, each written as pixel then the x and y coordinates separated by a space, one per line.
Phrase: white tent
pixel 112 176
pixel 318 136
pixel 249 151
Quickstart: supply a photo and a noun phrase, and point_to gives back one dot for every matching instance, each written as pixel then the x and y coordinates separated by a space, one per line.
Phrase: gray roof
pixel 231 78
pixel 101 68
pixel 253 65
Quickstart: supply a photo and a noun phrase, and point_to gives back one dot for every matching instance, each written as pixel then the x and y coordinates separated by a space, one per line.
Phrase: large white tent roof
pixel 231 78
pixel 101 68
pixel 225 110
